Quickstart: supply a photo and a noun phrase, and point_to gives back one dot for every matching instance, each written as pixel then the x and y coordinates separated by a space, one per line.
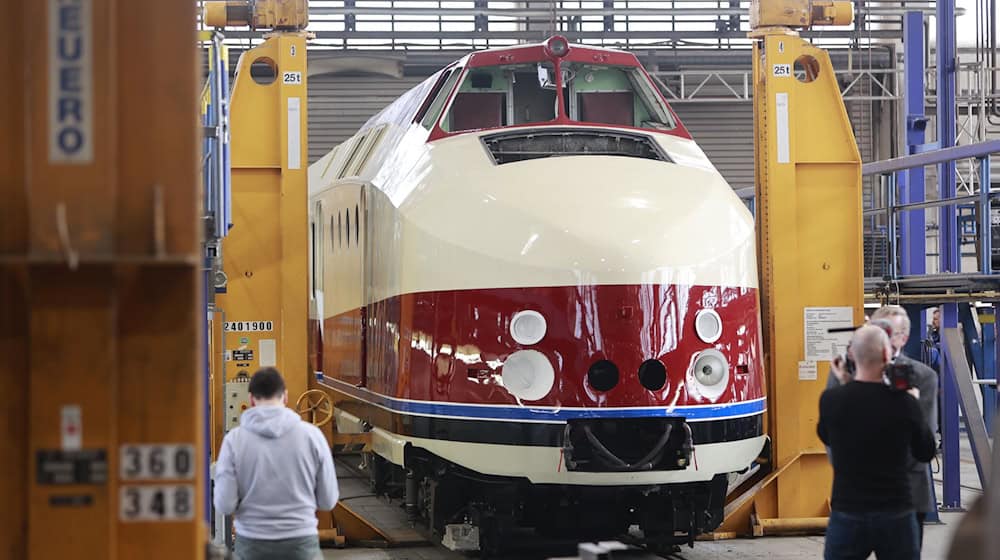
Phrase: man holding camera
pixel 923 378
pixel 873 431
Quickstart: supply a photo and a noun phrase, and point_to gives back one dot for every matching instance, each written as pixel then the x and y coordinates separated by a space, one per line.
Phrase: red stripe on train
pixel 449 346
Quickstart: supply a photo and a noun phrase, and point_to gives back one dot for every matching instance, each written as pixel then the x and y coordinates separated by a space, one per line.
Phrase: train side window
pixel 440 97
pixel 375 138
pixel 333 233
pixel 331 158
pixel 317 250
pixel 340 231
pixel 357 225
pixel 347 218
pixel 352 157
pixel 314 261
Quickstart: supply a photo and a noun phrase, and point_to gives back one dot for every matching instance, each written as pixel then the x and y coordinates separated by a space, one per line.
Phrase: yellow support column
pixel 100 282
pixel 265 255
pixel 808 175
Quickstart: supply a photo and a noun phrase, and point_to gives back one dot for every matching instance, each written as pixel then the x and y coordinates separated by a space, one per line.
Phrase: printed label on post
pixel 294 128
pixel 248 326
pixel 268 352
pixel 71 428
pixel 820 345
pixel 781 121
pixel 168 461
pixel 807 371
pixel 71 88
pixel 173 502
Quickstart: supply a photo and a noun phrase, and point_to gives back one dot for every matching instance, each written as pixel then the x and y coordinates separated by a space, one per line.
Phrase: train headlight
pixel 708 325
pixel 528 375
pixel 557 46
pixel 710 371
pixel 527 327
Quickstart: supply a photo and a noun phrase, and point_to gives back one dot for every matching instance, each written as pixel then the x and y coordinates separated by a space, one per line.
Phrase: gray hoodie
pixel 274 472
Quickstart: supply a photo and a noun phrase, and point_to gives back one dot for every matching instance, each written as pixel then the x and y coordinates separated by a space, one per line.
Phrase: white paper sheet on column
pixel 821 345
pixel 781 120
pixel 807 371
pixel 294 134
pixel 267 350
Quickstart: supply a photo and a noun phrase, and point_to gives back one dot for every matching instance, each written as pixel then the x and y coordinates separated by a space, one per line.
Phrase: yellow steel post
pixel 100 282
pixel 808 175
pixel 265 256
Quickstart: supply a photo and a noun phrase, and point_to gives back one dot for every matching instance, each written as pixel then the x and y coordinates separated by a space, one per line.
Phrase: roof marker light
pixel 557 46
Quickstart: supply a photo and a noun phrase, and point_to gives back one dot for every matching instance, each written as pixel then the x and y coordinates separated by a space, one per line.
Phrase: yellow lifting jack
pixel 265 256
pixel 808 204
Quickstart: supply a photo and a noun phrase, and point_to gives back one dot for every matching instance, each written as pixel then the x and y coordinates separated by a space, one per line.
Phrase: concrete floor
pixel 937 538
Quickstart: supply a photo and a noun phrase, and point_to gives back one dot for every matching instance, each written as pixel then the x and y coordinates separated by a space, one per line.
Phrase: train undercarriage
pixel 470 511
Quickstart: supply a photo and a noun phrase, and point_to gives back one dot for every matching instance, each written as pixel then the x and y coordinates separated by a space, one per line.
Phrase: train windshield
pixel 498 96
pixel 495 96
pixel 620 95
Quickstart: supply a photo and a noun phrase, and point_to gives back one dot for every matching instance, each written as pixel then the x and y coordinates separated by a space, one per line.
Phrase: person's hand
pixel 839 370
pixel 915 392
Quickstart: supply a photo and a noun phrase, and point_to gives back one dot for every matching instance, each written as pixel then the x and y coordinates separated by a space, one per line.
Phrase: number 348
pixel 157 503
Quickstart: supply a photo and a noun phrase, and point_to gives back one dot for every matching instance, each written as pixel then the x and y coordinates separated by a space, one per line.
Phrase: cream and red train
pixel 536 291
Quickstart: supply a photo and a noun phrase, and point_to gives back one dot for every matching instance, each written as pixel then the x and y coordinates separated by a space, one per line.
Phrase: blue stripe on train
pixel 493 412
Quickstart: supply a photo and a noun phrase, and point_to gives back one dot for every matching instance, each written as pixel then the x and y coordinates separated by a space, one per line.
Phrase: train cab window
pixel 438 96
pixel 495 96
pixel 617 95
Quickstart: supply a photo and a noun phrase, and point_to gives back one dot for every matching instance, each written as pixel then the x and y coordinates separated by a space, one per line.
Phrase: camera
pixel 848 362
pixel 898 376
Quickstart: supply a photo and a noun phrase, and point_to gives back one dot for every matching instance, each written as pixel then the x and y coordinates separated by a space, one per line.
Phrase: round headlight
pixel 558 46
pixel 528 375
pixel 527 327
pixel 708 325
pixel 711 374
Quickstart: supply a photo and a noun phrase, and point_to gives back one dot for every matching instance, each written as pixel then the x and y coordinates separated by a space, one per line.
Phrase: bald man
pixel 873 431
pixel 926 380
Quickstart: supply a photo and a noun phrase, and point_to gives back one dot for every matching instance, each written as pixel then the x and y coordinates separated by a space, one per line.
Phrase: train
pixel 536 292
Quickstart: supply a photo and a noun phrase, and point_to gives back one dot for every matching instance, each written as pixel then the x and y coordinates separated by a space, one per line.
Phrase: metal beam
pixel 931 158
pixel 954 354
pixel 911 184
pixel 544 13
pixel 575 35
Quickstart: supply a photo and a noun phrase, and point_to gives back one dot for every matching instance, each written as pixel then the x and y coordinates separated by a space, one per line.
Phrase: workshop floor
pixel 937 538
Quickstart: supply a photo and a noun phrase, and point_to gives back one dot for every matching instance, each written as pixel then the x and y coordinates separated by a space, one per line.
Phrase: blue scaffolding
pixel 216 206
pixel 953 289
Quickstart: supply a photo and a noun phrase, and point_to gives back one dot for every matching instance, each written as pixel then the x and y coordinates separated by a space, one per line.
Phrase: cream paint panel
pixel 446 218
pixel 342 275
pixel 570 221
pixel 543 465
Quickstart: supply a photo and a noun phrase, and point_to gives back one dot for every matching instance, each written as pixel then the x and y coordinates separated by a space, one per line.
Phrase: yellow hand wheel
pixel 317 405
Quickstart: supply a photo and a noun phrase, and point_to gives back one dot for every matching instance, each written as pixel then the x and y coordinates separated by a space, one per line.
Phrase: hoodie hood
pixel 269 421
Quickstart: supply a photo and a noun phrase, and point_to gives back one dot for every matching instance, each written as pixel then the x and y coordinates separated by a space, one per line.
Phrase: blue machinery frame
pixel 906 174
pixel 217 207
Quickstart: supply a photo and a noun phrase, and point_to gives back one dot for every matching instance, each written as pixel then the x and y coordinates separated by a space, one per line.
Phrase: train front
pixel 579 309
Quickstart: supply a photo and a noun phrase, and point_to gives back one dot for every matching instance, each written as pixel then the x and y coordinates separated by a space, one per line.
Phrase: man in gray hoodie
pixel 274 472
